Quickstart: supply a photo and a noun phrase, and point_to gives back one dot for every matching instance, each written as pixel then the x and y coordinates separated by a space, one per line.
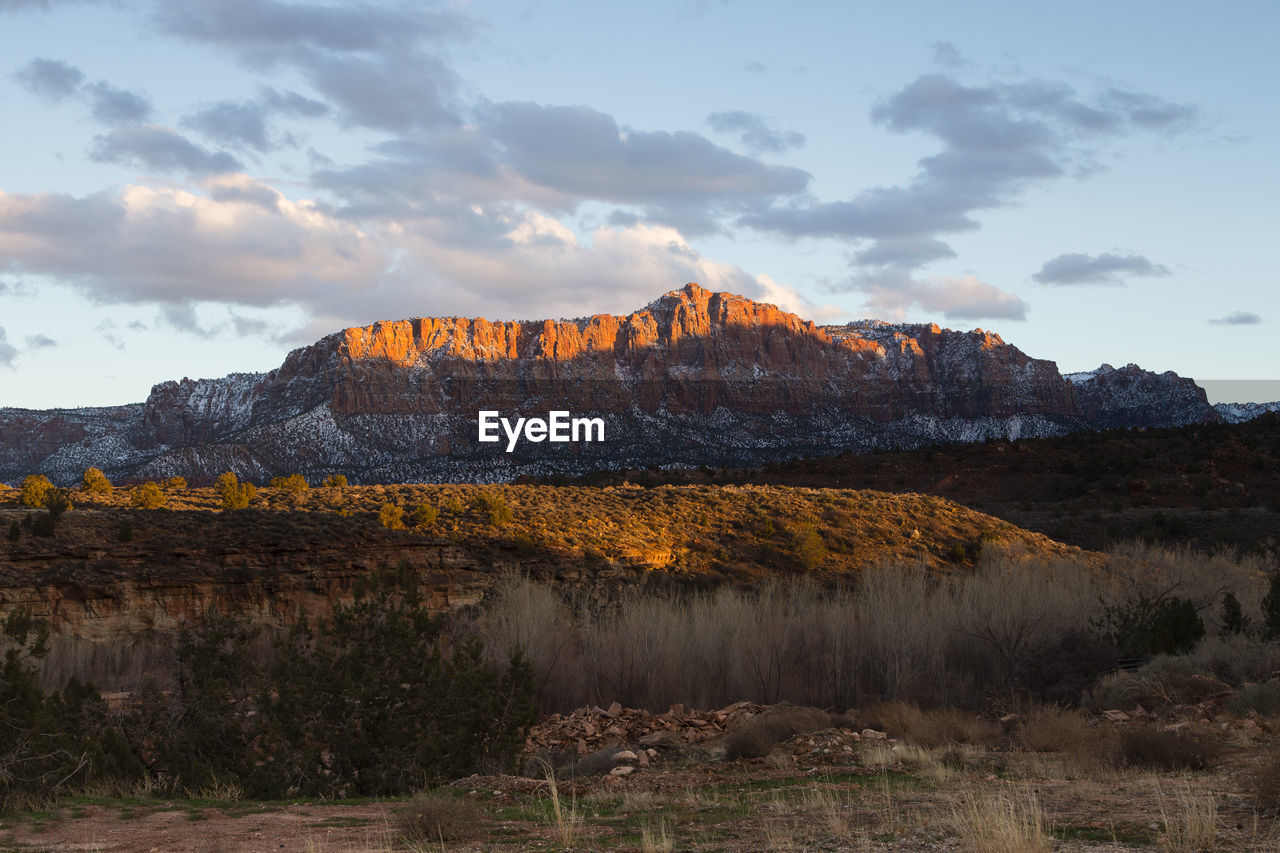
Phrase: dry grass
pixel 1050 729
pixel 1190 819
pixel 1001 823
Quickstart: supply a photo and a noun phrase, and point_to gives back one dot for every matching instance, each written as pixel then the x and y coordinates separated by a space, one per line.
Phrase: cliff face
pixel 695 378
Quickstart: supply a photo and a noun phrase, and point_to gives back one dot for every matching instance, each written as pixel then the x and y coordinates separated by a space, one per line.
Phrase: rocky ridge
pixel 694 378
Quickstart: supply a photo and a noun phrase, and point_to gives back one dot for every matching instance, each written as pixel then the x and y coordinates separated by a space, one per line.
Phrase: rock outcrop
pixel 695 378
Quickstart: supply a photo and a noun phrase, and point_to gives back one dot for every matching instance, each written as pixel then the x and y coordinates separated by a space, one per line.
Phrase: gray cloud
pixel 292 104
pixel 247 124
pixel 755 67
pixel 117 106
pixel 997 140
pixel 947 54
pixel 159 149
pixel 50 79
pixel 893 293
pixel 380 65
pixel 8 353
pixel 235 124
pixel 754 132
pixel 26 5
pixel 261 28
pixel 40 341
pixel 1107 269
pixel 1238 318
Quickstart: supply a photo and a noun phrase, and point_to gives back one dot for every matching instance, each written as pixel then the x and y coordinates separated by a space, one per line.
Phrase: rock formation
pixel 694 378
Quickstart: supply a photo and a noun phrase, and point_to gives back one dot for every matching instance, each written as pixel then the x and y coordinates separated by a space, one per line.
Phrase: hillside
pixel 1206 485
pixel 294 551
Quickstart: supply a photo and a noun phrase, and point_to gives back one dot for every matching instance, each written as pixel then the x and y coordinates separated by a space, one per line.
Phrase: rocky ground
pixel 633 780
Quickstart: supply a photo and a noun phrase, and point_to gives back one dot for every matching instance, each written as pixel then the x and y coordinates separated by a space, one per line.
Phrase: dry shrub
pixel 434 816
pixel 1151 747
pixel 756 737
pixel 1264 781
pixel 1051 729
pixel 927 728
pixel 1263 698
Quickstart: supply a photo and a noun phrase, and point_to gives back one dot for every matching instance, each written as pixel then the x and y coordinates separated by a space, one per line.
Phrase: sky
pixel 196 187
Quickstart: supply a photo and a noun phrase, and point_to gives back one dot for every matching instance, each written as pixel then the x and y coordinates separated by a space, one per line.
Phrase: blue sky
pixel 194 187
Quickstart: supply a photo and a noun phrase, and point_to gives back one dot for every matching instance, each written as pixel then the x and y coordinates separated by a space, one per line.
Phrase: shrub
pixel 1270 608
pixel 1050 729
pixel 757 737
pixel 58 501
pixel 233 493
pixel 95 482
pixel 45 525
pixel 1263 698
pixel 1151 747
pixel 434 817
pixel 35 487
pixel 1153 626
pixel 175 484
pixel 295 483
pixel 335 481
pixel 808 548
pixel 148 495
pixel 49 741
pixel 453 505
pixel 125 532
pixel 15 532
pixel 1263 784
pixel 424 515
pixel 391 517
pixel 500 514
pixel 1061 670
pixel 1233 619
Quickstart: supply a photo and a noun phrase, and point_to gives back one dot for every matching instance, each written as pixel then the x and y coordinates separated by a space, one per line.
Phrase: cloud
pixel 380 65
pixel 755 67
pixel 753 132
pixel 176 249
pixel 235 124
pixel 947 54
pixel 26 5
pixel 173 247
pixel 1107 269
pixel 1237 318
pixel 996 141
pixel 247 124
pixel 111 105
pixel 8 353
pixel 40 341
pixel 893 294
pixel 159 149
pixel 50 79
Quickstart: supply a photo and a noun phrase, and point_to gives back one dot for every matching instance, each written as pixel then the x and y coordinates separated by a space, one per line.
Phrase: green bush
pixel 1152 626
pixel 1233 619
pixel 1270 609
pixel 55 740
pixel 335 481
